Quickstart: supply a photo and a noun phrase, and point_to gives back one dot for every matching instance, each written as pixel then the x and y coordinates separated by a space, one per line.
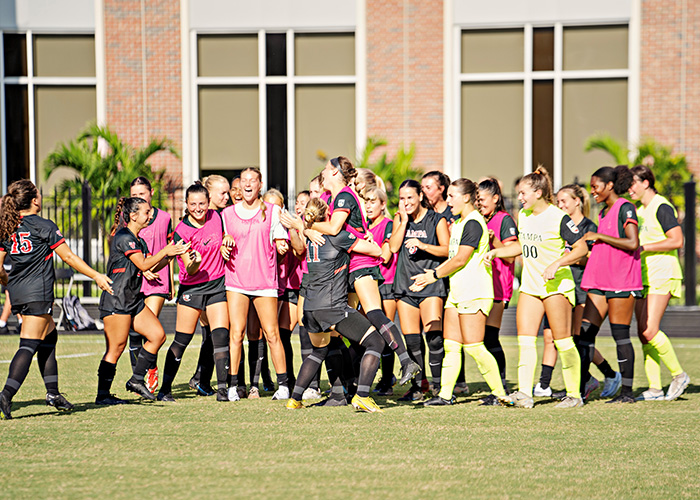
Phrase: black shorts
pixel 620 294
pixel 374 272
pixel 322 320
pixel 165 296
pixel 33 308
pixel 580 296
pixel 499 301
pixel 413 301
pixel 201 295
pixel 386 290
pixel 289 295
pixel 133 312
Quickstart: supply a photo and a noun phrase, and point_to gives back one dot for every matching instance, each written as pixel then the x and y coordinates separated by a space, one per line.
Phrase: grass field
pixel 198 448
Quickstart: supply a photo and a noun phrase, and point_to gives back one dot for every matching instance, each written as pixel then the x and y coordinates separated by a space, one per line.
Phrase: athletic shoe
pixel 408 371
pixel 268 386
pixel 588 389
pixel 559 395
pixel 461 388
pixel 59 402
pixel 310 393
pixel 413 394
pixel 242 392
pixel 4 330
pixel 522 400
pixel 569 402
pixel 222 395
pixel 438 401
pixel 293 404
pixel 233 394
pixel 365 404
pixel 650 395
pixel 166 398
pixel 332 402
pixel 282 393
pixel 384 391
pixel 622 398
pixel 539 392
pixel 5 407
pixel 253 393
pixel 110 400
pixel 151 381
pixel 678 385
pixel 611 386
pixel 140 389
pixel 490 400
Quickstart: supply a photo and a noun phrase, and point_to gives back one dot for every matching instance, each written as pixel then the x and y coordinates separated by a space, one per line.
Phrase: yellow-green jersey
pixel 543 238
pixel 474 281
pixel 655 220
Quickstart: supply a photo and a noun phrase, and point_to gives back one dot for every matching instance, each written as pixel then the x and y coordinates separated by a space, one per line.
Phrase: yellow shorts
pixel 672 286
pixel 471 306
pixel 543 294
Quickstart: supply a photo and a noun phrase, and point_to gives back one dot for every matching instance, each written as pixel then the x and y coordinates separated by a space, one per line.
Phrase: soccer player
pixel 129 257
pixel 613 274
pixel 434 186
pixel 660 237
pixel 547 284
pixel 471 294
pixel 326 309
pixel 202 288
pixel 32 240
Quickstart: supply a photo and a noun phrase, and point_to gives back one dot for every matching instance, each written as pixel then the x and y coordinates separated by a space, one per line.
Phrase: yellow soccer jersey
pixel 475 280
pixel 654 221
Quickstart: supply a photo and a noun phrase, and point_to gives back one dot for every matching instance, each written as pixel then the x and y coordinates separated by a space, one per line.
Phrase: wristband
pixel 435 274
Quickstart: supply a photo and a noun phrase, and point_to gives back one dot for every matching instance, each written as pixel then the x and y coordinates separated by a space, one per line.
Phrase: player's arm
pixel 367 248
pixel 674 235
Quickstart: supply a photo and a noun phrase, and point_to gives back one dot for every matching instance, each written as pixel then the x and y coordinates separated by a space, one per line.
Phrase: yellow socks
pixel 663 346
pixel 651 366
pixel 487 366
pixel 451 366
pixel 570 366
pixel 527 363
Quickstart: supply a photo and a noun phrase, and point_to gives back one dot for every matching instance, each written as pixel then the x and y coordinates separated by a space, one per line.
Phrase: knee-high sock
pixel 488 367
pixel 651 366
pixel 307 348
pixel 546 376
pixel 105 376
pixel 334 368
pixel 461 378
pixel 356 352
pixel 413 346
pixel 493 345
pixel 308 370
pixel 663 346
pixel 222 356
pixel 233 381
pixel 265 364
pixel 143 363
pixel 286 338
pixel 373 344
pixel 585 344
pixel 436 352
pixel 19 367
pixel 173 358
pixel 390 333
pixel 570 366
pixel 625 355
pixel 256 352
pixel 348 373
pixel 527 363
pixel 46 358
pixel 451 363
pixel 205 363
pixel 135 344
pixel 387 366
pixel 606 369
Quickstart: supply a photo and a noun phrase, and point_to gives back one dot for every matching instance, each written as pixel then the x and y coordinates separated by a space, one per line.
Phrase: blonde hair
pixel 540 180
pixel 577 191
pixel 315 211
pixel 210 180
pixel 273 195
pixel 369 180
pixel 376 192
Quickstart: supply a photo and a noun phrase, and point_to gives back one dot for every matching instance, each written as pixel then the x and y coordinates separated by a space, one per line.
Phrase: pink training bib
pixel 207 241
pixel 388 270
pixel 503 272
pixel 290 272
pixel 156 237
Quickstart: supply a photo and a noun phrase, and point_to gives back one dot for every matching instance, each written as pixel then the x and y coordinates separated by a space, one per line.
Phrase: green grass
pixel 200 448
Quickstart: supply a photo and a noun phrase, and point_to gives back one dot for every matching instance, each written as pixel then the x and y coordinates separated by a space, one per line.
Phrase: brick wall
pixel 404 76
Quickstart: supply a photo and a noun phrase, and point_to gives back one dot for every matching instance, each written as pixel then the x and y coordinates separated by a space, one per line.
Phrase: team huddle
pixel 340 269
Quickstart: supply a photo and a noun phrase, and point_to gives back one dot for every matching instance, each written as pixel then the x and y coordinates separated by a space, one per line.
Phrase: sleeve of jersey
pixel 176 237
pixel 509 231
pixel 129 245
pixel 346 241
pixel 666 217
pixel 387 231
pixel 590 226
pixel 54 237
pixel 628 214
pixel 569 231
pixel 344 202
pixel 471 234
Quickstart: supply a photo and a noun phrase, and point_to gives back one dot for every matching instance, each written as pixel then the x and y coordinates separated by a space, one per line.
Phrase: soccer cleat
pixel 222 395
pixel 268 386
pixel 332 402
pixel 611 386
pixel 461 388
pixel 233 394
pixel 678 385
pixel 539 392
pixel 110 400
pixel 408 371
pixel 59 402
pixel 438 401
pixel 281 393
pixel 384 391
pixel 651 395
pixel 166 398
pixel 5 407
pixel 293 404
pixel 559 395
pixel 413 394
pixel 622 398
pixel 310 393
pixel 253 393
pixel 365 404
pixel 588 389
pixel 151 381
pixel 140 389
pixel 522 400
pixel 491 400
pixel 242 392
pixel 569 402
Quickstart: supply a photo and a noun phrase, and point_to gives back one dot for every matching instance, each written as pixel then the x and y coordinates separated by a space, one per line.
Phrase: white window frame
pixel 290 80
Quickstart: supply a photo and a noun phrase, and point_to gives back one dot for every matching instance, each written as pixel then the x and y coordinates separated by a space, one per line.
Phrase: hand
pixel 282 246
pixel 590 236
pixel 195 257
pixel 551 270
pixel 291 221
pixel 369 237
pixel 172 248
pixel 225 252
pixel 489 256
pixel 403 215
pixel 491 235
pixel 414 243
pixel 103 282
pixel 315 236
pixel 420 281
pixel 228 241
pixel 151 276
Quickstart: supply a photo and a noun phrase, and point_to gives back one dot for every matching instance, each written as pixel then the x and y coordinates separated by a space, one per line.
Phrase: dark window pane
pixel 17 128
pixel 543 124
pixel 15 54
pixel 276 54
pixel 543 49
pixel 277 138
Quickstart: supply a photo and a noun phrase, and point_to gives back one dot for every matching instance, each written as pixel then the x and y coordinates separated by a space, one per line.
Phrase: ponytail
pixel 19 197
pixel 315 211
pixel 621 177
pixel 465 186
pixel 540 180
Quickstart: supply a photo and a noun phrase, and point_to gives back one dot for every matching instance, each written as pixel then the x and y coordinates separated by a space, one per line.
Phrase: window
pixel 533 95
pixel 48 96
pixel 277 101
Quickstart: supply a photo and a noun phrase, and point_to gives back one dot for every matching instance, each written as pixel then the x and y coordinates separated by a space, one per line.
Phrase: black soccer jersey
pixel 346 202
pixel 584 227
pixel 416 261
pixel 327 282
pixel 31 247
pixel 448 216
pixel 126 277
